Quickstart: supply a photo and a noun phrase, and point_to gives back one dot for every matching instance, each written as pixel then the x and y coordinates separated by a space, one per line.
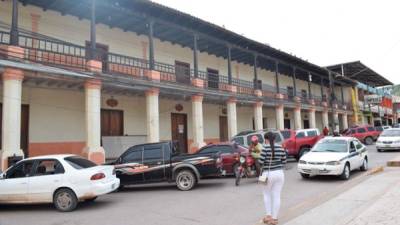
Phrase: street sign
pixel 373 99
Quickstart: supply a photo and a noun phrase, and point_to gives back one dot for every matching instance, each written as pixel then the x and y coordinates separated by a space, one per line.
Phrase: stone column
pixel 11 130
pixel 335 120
pixel 280 125
pixel 93 150
pixel 258 115
pixel 345 121
pixel 311 116
pixel 197 121
pixel 297 114
pixel 232 120
pixel 325 116
pixel 152 115
pixel 297 117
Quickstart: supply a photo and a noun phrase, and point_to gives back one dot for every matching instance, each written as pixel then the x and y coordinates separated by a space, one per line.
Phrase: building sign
pixel 373 99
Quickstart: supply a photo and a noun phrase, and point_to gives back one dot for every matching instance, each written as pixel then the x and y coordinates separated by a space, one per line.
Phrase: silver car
pixel 244 138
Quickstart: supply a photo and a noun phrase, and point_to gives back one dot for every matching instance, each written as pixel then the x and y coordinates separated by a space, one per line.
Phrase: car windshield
pixel 79 163
pixel 390 133
pixel 330 145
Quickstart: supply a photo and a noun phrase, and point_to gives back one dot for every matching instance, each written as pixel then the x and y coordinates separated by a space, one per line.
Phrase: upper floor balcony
pixel 50 51
pixel 266 73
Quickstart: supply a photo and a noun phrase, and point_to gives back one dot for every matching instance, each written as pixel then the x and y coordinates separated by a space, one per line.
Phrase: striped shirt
pixel 277 163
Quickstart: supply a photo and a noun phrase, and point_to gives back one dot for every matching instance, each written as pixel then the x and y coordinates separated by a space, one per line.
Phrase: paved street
pixel 214 201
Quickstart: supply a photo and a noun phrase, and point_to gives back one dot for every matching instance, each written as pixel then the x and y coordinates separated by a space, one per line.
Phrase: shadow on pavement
pixel 96 205
pixel 204 184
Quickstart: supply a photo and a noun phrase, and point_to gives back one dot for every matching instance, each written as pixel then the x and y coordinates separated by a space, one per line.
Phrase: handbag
pixel 263 178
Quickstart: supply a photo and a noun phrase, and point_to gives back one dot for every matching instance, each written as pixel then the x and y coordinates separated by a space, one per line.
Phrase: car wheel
pixel 346 172
pixel 91 199
pixel 185 180
pixel 364 166
pixel 369 141
pixel 379 150
pixel 305 176
pixel 65 200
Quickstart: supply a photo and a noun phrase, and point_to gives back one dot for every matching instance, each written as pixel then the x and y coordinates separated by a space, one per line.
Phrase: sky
pixel 323 32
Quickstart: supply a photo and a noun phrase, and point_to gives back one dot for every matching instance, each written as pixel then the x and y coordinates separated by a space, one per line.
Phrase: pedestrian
pixel 255 149
pixel 326 131
pixel 272 160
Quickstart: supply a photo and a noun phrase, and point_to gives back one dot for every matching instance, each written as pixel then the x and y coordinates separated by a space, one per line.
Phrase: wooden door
pixel 223 128
pixel 306 124
pixel 100 55
pixel 286 123
pixel 212 78
pixel 179 131
pixel 182 72
pixel 112 122
pixel 24 128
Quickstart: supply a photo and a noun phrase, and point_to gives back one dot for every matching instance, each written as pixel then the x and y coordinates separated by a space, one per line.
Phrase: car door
pixel 153 160
pixel 361 150
pixel 14 186
pixel 47 176
pixel 130 166
pixel 228 158
pixel 361 133
pixel 353 155
pixel 300 139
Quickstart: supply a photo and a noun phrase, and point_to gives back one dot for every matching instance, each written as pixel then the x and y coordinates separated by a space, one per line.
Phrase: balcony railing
pixel 49 51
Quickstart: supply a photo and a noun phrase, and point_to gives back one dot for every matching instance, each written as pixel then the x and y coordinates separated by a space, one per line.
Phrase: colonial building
pixel 369 86
pixel 76 71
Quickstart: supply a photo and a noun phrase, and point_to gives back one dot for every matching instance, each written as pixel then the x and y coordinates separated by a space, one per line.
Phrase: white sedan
pixel 334 156
pixel 63 180
pixel 389 140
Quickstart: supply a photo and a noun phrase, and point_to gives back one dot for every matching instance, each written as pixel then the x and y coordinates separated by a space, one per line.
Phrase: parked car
pixel 244 138
pixel 389 140
pixel 163 162
pixel 366 134
pixel 63 180
pixel 230 154
pixel 297 142
pixel 336 156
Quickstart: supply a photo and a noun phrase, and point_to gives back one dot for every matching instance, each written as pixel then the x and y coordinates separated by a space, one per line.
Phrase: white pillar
pixel 152 113
pixel 335 120
pixel 325 118
pixel 280 125
pixel 197 121
pixel 345 121
pixel 258 115
pixel 232 120
pixel 311 116
pixel 11 130
pixel 297 117
pixel 93 149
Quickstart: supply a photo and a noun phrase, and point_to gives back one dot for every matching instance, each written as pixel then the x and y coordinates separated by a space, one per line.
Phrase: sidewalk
pixel 375 201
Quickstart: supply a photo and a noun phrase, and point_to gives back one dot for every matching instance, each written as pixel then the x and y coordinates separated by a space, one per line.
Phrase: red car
pixel 367 134
pixel 297 142
pixel 229 152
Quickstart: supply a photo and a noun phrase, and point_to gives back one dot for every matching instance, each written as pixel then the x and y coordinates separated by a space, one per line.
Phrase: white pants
pixel 272 192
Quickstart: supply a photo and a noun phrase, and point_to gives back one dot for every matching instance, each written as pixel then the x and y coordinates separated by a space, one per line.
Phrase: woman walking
pixel 272 160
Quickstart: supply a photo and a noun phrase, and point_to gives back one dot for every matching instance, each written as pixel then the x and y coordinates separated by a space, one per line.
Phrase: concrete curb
pixel 394 162
pixel 375 170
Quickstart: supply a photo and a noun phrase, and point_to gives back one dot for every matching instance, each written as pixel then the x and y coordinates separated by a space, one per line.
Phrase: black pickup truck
pixel 162 162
